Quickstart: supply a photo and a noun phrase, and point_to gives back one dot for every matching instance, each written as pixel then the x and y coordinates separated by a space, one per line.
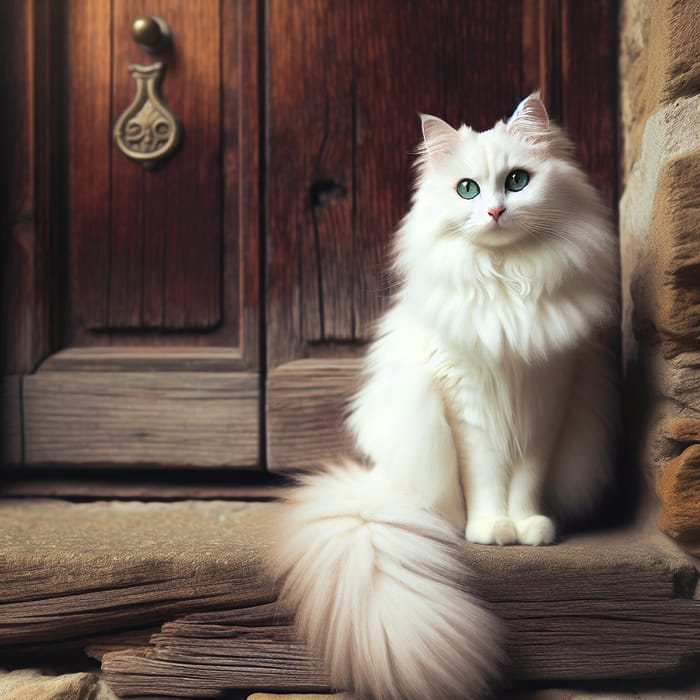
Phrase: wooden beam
pixel 602 605
pixel 207 419
pixel 306 405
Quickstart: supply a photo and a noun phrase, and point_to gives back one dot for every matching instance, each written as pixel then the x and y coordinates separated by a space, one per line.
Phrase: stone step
pixel 598 606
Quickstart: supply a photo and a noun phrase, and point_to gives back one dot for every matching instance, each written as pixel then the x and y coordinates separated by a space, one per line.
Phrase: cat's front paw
pixel 498 530
pixel 536 530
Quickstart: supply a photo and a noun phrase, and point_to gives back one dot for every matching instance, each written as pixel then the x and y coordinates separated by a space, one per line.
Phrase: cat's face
pixel 493 188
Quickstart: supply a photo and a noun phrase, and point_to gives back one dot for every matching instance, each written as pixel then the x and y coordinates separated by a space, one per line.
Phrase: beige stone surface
pixel 659 42
pixel 672 132
pixel 74 569
pixel 660 247
pixel 32 685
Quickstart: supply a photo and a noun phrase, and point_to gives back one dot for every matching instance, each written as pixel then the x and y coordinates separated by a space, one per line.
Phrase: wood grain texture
pixel 399 72
pixel 73 570
pixel 11 416
pixel 89 156
pixel 396 71
pixel 588 76
pixel 384 69
pixel 17 191
pixel 165 238
pixel 306 406
pixel 615 605
pixel 31 41
pixel 241 102
pixel 604 605
pixel 157 418
pixel 176 249
pixel 309 181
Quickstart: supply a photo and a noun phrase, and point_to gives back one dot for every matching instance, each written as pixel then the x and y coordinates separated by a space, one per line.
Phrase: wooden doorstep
pixel 604 605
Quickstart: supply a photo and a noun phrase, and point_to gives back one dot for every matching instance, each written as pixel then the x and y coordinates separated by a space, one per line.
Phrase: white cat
pixel 486 401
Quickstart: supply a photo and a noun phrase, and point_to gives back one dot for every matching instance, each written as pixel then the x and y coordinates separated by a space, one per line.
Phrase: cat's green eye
pixel 467 189
pixel 517 180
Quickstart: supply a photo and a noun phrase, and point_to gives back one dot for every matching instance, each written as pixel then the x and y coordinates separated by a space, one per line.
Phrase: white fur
pixel 377 584
pixel 485 398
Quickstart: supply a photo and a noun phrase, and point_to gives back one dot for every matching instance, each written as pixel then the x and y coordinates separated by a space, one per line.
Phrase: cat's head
pixel 500 186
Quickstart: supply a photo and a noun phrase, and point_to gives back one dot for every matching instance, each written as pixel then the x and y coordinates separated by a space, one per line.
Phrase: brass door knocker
pixel 147 131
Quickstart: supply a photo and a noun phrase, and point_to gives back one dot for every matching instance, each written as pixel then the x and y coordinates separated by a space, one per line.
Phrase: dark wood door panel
pixel 152 257
pixel 345 80
pixel 161 251
pixel 166 225
pixel 309 182
pixel 150 278
pixel 345 83
pixel 442 58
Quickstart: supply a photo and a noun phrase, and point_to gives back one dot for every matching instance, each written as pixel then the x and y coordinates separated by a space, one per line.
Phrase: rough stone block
pixel 673 282
pixel 31 685
pixel 672 132
pixel 659 44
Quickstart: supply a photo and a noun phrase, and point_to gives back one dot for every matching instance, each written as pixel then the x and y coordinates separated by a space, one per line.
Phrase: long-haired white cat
pixel 485 411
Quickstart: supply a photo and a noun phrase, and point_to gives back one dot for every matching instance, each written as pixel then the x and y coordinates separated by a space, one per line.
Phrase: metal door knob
pixel 152 34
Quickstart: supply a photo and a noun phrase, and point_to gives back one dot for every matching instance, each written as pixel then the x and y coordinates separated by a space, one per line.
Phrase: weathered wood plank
pixel 165 237
pixel 130 236
pixel 602 605
pixel 11 416
pixel 72 570
pixel 22 134
pixel 588 76
pixel 166 418
pixel 193 178
pixel 242 91
pixel 88 157
pixel 306 406
pixel 398 73
pixel 616 605
pixel 175 249
pixel 309 203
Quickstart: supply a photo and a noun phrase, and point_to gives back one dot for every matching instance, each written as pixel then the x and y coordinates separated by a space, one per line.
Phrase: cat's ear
pixel 530 119
pixel 438 136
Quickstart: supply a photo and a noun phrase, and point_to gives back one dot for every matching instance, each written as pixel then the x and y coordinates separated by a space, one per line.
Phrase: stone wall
pixel 660 247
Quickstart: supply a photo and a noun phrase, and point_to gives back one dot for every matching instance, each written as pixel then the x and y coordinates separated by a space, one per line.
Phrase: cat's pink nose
pixel 496 212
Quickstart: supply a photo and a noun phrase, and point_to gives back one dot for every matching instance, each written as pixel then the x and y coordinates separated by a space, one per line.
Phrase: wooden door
pixel 138 331
pixel 344 83
pixel 136 296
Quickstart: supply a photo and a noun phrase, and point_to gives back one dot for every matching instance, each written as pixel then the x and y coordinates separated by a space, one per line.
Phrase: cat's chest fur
pixel 500 349
pixel 509 405
pixel 507 315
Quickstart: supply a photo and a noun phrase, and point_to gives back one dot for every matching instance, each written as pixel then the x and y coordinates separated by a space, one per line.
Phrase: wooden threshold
pixel 620 604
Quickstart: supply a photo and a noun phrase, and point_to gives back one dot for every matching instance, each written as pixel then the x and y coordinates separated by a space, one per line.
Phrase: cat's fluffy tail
pixel 377 585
